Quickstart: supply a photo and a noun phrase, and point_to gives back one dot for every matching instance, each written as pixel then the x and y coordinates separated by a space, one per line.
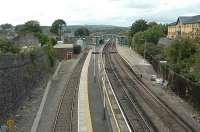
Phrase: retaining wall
pixel 19 75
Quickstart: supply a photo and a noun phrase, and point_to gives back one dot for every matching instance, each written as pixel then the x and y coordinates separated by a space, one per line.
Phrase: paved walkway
pixel 143 67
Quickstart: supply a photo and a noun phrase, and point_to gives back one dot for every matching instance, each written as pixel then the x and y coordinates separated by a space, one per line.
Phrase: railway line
pixel 67 113
pixel 130 92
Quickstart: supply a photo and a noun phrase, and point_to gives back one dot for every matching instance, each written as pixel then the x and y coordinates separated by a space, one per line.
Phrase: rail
pixel 110 99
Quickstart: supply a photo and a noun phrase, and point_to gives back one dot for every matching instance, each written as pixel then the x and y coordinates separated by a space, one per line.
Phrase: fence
pixel 181 86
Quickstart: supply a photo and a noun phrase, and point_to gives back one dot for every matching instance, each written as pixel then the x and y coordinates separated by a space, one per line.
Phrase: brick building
pixel 64 51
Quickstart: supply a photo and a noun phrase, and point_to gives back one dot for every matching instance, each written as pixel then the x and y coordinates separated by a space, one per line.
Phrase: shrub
pixel 7 46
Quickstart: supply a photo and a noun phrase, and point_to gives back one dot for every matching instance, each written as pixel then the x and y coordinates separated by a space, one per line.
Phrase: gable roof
pixel 189 19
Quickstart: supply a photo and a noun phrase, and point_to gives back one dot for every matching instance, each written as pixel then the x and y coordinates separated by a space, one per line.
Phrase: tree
pixel 57 25
pixel 6 26
pixel 52 41
pixel 138 26
pixel 7 46
pixel 139 38
pixel 138 43
pixel 29 27
pixel 80 32
pixel 195 70
pixel 180 54
pixel 151 24
pixel 180 49
pixel 43 39
pixel 154 33
pixel 33 26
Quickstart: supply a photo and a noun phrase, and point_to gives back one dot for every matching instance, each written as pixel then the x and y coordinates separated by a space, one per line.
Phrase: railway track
pixel 66 117
pixel 134 116
pixel 128 87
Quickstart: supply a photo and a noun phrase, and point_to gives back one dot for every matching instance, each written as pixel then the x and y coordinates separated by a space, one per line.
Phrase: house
pixel 185 26
pixel 64 51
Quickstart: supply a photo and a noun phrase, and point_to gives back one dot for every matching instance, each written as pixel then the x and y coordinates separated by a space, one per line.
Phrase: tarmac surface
pixel 99 121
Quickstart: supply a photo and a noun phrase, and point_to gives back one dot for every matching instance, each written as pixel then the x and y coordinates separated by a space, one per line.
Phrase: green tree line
pixel 182 55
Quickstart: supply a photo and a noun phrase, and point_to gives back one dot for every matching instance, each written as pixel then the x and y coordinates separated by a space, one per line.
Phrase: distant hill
pixel 91 28
pixel 94 28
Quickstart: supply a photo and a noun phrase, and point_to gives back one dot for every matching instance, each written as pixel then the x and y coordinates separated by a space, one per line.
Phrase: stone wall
pixel 19 74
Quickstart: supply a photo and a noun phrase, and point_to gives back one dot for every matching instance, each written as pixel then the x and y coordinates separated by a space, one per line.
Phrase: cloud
pixel 115 12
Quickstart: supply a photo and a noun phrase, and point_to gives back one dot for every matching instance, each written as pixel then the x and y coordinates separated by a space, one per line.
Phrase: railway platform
pixel 91 114
pixel 141 66
pixel 84 117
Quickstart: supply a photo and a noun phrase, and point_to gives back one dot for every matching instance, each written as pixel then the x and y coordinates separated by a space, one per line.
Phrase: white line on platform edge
pixel 81 111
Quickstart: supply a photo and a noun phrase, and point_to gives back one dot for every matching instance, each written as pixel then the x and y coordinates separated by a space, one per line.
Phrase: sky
pixel 95 12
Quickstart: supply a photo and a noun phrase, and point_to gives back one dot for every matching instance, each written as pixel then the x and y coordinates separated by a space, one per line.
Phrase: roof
pixel 172 24
pixel 189 19
pixel 60 46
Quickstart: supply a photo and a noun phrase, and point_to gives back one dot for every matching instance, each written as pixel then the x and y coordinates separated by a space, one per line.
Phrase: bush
pixel 33 53
pixel 43 39
pixel 7 46
pixel 51 54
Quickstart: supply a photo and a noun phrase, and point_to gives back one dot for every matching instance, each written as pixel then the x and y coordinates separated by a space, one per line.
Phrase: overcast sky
pixel 108 12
